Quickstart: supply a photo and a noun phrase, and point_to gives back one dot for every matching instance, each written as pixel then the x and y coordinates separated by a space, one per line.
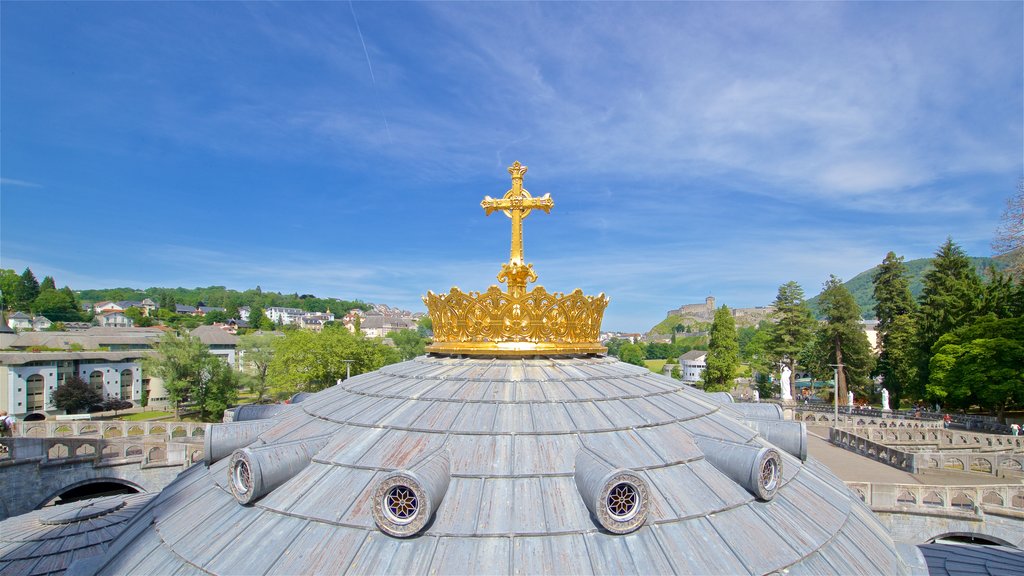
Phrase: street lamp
pixel 835 394
pixel 348 368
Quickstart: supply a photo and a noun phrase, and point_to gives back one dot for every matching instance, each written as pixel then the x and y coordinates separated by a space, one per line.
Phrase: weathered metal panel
pixel 349 444
pixel 770 550
pixel 382 554
pixel 404 414
pixel 476 418
pixel 480 455
pixel 513 419
pixel 319 549
pixel 401 449
pixel 551 417
pixel 255 546
pixel 478 556
pixel 496 503
pixel 671 443
pixel 625 449
pixel 587 417
pixel 804 534
pixel 547 454
pixel 360 512
pixel 684 493
pixel 286 496
pixel 565 554
pixel 458 512
pixel 371 415
pixel 498 391
pixel 695 547
pixel 321 500
pixel 529 391
pixel 564 509
pixel 529 500
pixel 439 416
pixel 620 415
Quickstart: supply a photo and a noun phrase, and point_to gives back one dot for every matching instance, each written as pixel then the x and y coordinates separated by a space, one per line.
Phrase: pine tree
pixel 27 291
pixel 949 300
pixel 723 353
pixel 895 310
pixel 841 340
pixel 48 284
pixel 793 329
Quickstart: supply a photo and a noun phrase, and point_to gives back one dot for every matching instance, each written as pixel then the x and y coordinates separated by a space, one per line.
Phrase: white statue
pixel 885 401
pixel 849 399
pixel 784 382
pixel 757 396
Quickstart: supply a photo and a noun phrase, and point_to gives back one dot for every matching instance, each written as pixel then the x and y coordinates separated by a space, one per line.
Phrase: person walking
pixel 7 424
pixel 1015 429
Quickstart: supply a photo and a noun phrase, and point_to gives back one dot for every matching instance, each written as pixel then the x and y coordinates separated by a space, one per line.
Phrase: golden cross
pixel 517 204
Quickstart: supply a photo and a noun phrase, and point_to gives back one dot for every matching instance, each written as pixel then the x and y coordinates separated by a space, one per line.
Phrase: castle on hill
pixel 705 312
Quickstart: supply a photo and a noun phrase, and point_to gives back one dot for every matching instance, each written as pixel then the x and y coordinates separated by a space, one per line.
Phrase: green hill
pixel 863 290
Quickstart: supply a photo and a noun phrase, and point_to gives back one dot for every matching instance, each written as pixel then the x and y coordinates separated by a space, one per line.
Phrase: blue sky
pixel 343 149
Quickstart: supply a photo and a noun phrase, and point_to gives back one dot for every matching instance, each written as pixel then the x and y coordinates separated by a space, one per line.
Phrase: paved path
pixel 852 467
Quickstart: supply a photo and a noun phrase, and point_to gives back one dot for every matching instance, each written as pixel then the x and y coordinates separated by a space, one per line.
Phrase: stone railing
pixel 110 429
pixel 1001 499
pixel 101 451
pixel 825 418
pixel 873 443
pixel 940 439
pixel 876 451
pixel 965 421
pixel 996 464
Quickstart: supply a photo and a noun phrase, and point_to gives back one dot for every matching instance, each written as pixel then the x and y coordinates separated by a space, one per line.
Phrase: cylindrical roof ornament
pixel 786 434
pixel 255 472
pixel 618 499
pixel 220 440
pixel 756 468
pixel 405 500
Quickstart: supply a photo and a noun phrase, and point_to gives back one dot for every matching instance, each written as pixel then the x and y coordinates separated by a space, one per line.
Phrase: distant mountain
pixel 863 290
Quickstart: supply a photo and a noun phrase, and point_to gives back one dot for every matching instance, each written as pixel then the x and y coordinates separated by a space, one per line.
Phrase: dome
pixel 514 446
pixel 509 465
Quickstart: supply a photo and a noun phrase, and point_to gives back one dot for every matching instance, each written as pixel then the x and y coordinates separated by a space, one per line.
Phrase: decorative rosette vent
pixel 516 321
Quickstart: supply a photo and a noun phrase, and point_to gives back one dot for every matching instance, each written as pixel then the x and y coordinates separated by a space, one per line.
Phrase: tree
pixel 950 299
pixel 256 351
pixel 167 302
pixel 723 353
pixel 190 372
pixel 9 281
pixel 259 321
pixel 27 290
pixel 55 305
pixel 756 353
pixel 409 343
pixel 1009 241
pixel 75 395
pixel 67 291
pixel 980 364
pixel 895 309
pixel 792 331
pixel 48 284
pixel 307 361
pixel 841 340
pixel 425 327
pixel 632 354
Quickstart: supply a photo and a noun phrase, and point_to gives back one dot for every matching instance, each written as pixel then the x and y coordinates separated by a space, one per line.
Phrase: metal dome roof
pixel 528 465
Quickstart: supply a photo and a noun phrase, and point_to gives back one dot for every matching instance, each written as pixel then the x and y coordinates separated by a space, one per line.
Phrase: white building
pixel 283 315
pixel 114 320
pixel 28 379
pixel 692 365
pixel 20 321
pixel 221 343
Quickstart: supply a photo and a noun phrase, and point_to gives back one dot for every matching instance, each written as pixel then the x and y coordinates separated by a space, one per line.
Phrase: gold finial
pixel 517 322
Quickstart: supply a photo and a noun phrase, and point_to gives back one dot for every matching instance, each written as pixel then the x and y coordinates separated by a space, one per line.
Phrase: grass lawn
pixel 655 365
pixel 144 416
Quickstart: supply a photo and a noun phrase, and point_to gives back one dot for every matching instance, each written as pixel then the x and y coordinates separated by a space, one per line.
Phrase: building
pixel 19 321
pixel 28 379
pixel 280 315
pixel 692 365
pixel 40 323
pixel 221 343
pixel 376 325
pixel 114 319
pixel 705 312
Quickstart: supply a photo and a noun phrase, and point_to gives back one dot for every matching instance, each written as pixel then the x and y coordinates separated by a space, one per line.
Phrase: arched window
pixel 96 382
pixel 126 384
pixel 35 392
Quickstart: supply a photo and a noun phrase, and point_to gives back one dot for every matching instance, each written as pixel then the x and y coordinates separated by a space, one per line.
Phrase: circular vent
pixel 401 505
pixel 769 473
pixel 241 477
pixel 624 502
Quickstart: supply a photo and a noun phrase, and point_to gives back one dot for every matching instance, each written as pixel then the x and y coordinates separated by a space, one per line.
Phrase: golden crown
pixel 516 322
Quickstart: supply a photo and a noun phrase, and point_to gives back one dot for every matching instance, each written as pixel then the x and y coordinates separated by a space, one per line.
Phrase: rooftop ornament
pixel 518 321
